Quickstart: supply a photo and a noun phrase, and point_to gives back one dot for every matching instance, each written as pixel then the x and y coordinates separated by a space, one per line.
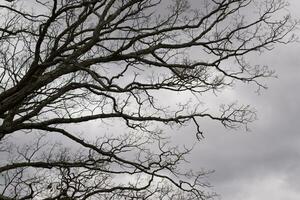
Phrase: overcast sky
pixel 263 163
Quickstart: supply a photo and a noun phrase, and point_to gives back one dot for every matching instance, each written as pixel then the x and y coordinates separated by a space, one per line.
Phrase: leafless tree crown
pixel 66 62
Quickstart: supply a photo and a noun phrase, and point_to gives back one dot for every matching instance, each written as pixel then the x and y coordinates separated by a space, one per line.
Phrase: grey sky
pixel 263 163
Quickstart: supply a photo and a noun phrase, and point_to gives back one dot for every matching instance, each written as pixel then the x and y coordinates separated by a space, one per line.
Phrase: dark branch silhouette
pixel 71 62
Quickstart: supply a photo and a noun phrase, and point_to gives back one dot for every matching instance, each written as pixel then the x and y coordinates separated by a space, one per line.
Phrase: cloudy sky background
pixel 263 163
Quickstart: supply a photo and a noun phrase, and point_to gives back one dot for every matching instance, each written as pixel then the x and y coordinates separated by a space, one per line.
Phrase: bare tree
pixel 66 62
